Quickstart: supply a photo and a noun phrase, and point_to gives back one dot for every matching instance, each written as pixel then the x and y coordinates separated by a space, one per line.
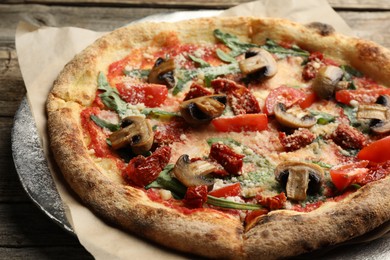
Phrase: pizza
pixel 228 137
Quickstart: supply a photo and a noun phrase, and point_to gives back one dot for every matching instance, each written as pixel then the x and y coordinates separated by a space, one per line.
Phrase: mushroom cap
pixel 192 173
pixel 258 60
pixel 299 178
pixel 162 72
pixel 136 132
pixel 289 120
pixel 202 110
pixel 379 114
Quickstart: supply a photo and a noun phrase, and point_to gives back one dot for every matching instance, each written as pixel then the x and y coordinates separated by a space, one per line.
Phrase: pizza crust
pixel 208 232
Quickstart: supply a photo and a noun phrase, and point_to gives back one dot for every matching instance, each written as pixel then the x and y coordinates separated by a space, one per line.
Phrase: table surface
pixel 25 231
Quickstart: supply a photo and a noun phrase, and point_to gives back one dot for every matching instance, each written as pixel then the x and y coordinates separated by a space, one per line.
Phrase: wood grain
pixel 346 4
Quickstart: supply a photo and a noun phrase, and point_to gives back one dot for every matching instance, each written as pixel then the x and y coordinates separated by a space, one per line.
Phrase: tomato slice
pixel 286 95
pixel 347 174
pixel 227 191
pixel 377 151
pixel 152 95
pixel 363 96
pixel 239 123
pixel 308 100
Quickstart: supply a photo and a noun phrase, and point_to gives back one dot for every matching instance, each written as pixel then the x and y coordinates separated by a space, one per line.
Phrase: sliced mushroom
pixel 136 132
pixel 326 82
pixel 289 120
pixel 193 173
pixel 299 178
pixel 258 60
pixel 162 72
pixel 202 110
pixel 379 114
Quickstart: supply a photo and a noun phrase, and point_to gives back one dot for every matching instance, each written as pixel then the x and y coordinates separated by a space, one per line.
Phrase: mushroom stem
pixel 297 183
pixel 299 178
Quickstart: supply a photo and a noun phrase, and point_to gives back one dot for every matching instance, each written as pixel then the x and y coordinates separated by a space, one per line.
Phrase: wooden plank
pixel 106 19
pixel 10 187
pixel 24 225
pixel 45 253
pixel 11 83
pixel 344 4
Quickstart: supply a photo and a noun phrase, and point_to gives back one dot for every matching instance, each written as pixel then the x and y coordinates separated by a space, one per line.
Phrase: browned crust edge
pixel 211 234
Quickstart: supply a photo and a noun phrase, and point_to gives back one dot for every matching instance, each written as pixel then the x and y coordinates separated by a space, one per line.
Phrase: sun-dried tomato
pixel 195 196
pixel 143 170
pixel 312 66
pixel 231 161
pixel 240 98
pixel 272 203
pixel 297 140
pixel 243 101
pixel 195 91
pixel 348 137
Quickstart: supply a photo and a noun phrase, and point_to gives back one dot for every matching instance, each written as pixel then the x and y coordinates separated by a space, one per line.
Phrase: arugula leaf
pixel 166 181
pixel 282 52
pixel 157 113
pixel 323 118
pixel 237 47
pixel 110 97
pixel 104 124
pixel 349 73
pixel 184 76
pixel 224 203
pixel 202 63
pixel 322 164
pixel 137 73
pixel 225 140
pixel 224 56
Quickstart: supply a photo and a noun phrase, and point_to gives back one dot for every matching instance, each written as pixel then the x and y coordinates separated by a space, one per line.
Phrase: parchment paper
pixel 43 52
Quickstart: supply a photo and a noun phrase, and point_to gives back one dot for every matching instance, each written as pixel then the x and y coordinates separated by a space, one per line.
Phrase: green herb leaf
pixel 282 52
pixel 105 124
pixel 137 73
pixel 224 203
pixel 110 97
pixel 202 63
pixel 184 76
pixel 322 164
pixel 323 118
pixel 349 74
pixel 237 47
pixel 166 181
pixel 157 113
pixel 224 56
pixel 350 71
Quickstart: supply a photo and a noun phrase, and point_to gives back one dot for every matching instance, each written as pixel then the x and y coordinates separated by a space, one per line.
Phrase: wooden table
pixel 25 231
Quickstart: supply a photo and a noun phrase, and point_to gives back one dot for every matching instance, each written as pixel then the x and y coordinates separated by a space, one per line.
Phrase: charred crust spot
pixel 212 236
pixel 306 245
pixel 367 51
pixel 321 28
pixel 265 234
